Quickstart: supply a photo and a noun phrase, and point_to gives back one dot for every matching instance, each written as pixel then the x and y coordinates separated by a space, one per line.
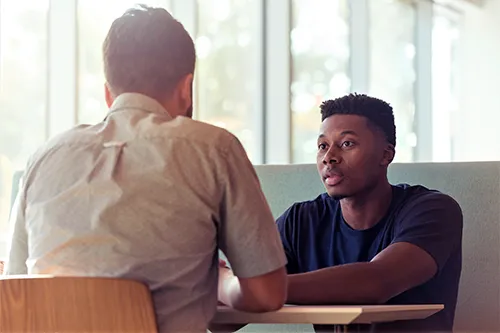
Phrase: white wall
pixel 477 124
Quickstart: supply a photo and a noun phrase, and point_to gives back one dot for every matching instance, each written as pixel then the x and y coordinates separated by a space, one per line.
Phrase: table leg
pixel 334 329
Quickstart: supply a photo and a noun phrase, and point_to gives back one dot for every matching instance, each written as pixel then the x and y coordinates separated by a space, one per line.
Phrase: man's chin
pixel 338 196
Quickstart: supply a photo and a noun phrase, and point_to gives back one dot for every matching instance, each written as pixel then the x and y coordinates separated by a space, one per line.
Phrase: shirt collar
pixel 139 102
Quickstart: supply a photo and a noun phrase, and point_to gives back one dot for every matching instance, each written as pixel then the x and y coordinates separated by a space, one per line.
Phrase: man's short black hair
pixel 147 51
pixel 378 112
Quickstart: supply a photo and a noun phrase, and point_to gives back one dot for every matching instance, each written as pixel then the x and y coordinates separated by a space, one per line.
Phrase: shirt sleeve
pixel 286 226
pixel 18 246
pixel 247 234
pixel 433 222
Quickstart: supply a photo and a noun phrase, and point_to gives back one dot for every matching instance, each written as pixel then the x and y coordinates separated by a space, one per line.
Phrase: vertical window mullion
pixel 278 138
pixel 186 12
pixel 360 46
pixel 423 88
pixel 62 65
pixel 258 119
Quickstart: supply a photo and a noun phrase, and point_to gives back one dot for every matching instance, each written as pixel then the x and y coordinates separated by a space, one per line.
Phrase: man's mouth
pixel 332 178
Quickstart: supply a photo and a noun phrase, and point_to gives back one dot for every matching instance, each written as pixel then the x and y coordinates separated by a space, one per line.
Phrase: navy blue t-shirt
pixel 315 235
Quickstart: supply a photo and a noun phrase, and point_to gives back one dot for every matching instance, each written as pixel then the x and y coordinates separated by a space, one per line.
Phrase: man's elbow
pixel 268 293
pixel 278 291
pixel 273 302
pixel 272 307
pixel 276 302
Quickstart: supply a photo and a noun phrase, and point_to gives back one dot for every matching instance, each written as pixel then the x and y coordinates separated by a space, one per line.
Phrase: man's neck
pixel 366 210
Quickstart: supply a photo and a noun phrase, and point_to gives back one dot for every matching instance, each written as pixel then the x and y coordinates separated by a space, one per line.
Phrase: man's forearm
pixel 347 284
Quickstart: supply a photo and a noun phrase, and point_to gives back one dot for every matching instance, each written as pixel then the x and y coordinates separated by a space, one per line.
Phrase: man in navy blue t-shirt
pixel 366 241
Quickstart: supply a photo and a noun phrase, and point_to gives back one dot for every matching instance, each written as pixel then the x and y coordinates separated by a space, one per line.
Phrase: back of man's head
pixel 147 51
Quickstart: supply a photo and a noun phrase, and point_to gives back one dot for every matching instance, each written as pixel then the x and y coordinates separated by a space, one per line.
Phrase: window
pixel 392 74
pixel 229 61
pixel 94 20
pixel 445 35
pixel 320 64
pixel 327 49
pixel 23 91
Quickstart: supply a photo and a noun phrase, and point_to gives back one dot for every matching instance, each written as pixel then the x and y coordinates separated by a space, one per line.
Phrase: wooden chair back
pixel 74 304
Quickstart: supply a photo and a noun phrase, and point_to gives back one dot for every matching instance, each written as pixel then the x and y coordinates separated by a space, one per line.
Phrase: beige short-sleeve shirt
pixel 145 196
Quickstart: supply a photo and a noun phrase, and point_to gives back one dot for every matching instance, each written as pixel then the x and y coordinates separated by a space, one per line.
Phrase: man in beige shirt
pixel 150 194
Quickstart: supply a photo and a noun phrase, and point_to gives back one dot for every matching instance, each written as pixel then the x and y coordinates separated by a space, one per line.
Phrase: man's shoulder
pixel 415 199
pixel 202 133
pixel 71 136
pixel 422 193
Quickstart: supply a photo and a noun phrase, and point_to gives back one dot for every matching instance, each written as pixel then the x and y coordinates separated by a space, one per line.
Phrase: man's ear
pixel 389 153
pixel 186 90
pixel 108 95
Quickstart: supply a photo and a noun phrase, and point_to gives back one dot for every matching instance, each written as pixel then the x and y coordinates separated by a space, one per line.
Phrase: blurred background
pixel 263 68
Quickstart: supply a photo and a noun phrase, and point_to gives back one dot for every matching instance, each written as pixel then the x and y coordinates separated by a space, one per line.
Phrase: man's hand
pixel 224 274
pixel 223 264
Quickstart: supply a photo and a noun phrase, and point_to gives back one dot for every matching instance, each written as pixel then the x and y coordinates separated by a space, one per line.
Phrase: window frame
pixel 272 123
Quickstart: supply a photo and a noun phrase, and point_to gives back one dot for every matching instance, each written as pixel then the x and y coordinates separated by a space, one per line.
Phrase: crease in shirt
pixel 107 164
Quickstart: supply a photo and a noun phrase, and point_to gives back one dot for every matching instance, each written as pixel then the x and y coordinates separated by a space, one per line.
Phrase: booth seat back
pixel 476 187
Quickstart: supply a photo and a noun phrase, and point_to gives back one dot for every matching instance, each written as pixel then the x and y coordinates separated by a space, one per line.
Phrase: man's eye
pixel 347 144
pixel 322 146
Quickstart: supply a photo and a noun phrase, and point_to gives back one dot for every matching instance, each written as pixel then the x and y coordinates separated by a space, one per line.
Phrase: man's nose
pixel 331 157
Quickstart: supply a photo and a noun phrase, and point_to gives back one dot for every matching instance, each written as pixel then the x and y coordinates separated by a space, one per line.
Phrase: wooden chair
pixel 74 304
